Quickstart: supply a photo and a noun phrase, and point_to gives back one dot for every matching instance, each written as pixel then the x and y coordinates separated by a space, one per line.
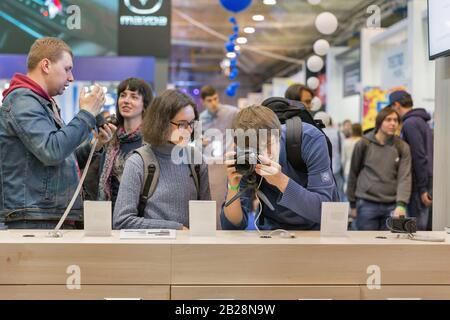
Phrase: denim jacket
pixel 38 158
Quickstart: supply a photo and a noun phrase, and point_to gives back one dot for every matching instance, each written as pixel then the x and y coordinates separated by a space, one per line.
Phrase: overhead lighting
pixel 231 55
pixel 270 2
pixel 241 40
pixel 225 64
pixel 258 17
pixel 249 30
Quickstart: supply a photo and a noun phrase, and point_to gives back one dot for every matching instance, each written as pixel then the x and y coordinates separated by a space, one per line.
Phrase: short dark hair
pixel 356 130
pixel 406 101
pixel 347 121
pixel 295 91
pixel 383 114
pixel 164 108
pixel 135 85
pixel 207 91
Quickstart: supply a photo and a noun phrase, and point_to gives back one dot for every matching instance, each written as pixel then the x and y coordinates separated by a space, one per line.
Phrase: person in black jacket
pixel 417 133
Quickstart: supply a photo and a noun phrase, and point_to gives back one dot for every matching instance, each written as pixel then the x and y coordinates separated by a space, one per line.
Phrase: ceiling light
pixel 258 17
pixel 249 30
pixel 225 63
pixel 270 2
pixel 241 40
pixel 231 55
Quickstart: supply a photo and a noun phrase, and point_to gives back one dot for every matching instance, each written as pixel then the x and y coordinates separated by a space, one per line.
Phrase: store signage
pixel 394 71
pixel 146 13
pixel 352 79
pixel 144 28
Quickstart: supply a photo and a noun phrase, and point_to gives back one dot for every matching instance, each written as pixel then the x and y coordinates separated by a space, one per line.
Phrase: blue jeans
pixel 44 225
pixel 340 182
pixel 372 215
pixel 417 210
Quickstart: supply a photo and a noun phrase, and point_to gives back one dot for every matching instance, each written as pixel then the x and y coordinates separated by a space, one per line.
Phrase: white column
pixel 441 176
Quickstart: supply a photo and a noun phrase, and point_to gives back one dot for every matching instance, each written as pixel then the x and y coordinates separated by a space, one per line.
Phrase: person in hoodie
pixel 417 133
pixel 39 171
pixel 379 184
pixel 296 196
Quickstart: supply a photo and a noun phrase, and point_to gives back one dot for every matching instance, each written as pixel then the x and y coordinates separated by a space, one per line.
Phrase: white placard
pixel 97 218
pixel 202 218
pixel 148 234
pixel 334 219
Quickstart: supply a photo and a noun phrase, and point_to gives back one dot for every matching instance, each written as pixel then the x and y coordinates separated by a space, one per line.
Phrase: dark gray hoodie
pixel 380 173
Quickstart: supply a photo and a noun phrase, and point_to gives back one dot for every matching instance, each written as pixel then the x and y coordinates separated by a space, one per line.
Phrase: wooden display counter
pixel 232 265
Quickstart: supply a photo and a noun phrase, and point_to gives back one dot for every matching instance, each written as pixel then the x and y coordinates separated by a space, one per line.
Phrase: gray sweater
pixel 380 173
pixel 168 207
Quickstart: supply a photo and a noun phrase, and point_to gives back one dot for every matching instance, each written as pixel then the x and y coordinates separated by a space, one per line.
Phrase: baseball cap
pixel 398 96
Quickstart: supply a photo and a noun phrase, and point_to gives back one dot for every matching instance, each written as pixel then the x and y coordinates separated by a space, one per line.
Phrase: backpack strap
pixel 398 146
pixel 366 144
pixel 195 173
pixel 195 169
pixel 294 133
pixel 151 176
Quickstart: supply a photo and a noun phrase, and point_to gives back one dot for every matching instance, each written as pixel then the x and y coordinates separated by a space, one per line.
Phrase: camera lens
pixel 113 120
pixel 246 161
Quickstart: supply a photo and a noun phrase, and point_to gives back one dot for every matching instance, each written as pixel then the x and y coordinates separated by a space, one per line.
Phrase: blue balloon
pixel 232 38
pixel 235 5
pixel 235 85
pixel 233 20
pixel 233 63
pixel 229 46
pixel 233 74
pixel 235 29
pixel 230 92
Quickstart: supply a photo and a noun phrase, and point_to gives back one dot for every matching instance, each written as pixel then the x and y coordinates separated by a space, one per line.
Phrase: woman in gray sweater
pixel 168 125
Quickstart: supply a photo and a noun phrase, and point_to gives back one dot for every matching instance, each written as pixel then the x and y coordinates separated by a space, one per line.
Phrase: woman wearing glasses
pixel 167 128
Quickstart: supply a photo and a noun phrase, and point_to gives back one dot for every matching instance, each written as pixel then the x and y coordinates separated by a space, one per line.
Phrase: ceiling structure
pixel 287 31
pixel 200 29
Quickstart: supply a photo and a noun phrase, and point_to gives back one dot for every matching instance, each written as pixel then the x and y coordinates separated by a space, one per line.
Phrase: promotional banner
pixel 89 27
pixel 374 100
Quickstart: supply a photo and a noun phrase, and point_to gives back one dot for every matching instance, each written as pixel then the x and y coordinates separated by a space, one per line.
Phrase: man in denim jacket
pixel 39 171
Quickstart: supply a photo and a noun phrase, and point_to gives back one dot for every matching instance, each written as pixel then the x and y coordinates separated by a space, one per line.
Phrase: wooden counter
pixel 232 265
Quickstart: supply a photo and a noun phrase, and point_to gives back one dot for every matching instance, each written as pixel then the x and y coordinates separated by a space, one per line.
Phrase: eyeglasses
pixel 184 124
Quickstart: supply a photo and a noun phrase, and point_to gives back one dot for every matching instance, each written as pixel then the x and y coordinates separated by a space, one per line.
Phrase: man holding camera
pixel 296 197
pixel 39 170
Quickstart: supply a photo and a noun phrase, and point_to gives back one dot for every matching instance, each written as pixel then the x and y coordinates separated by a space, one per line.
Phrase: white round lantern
pixel 326 23
pixel 315 63
pixel 314 2
pixel 313 83
pixel 316 104
pixel 321 47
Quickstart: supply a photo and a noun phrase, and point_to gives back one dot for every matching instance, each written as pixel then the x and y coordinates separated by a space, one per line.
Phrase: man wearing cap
pixel 417 133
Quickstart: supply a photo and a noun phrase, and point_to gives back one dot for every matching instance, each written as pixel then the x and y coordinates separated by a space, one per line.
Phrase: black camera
pixel 100 120
pixel 402 225
pixel 246 161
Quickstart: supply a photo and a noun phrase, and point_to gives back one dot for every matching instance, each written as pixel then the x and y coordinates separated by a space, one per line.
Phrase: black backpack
pixel 293 113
